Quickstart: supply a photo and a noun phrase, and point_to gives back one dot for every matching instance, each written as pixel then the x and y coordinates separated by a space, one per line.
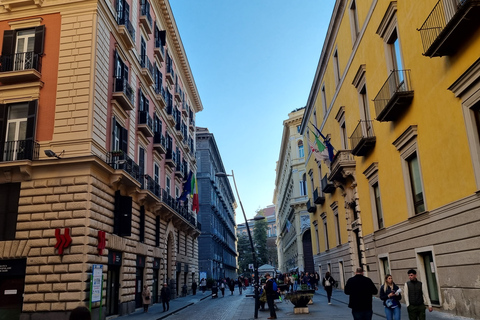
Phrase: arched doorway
pixel 307 252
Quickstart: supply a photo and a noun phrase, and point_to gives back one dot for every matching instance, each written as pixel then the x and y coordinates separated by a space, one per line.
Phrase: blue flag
pixel 187 188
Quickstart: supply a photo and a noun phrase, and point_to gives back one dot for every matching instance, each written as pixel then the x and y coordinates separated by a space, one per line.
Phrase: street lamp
pixel 255 264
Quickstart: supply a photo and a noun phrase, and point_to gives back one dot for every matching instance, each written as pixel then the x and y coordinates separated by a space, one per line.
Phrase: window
pixel 338 237
pixel 416 183
pixel 384 266
pixel 364 109
pixel 177 192
pixel 156 173
pixel 122 224
pixel 22 49
pixel 119 137
pixel 9 196
pixel 18 130
pixel 157 231
pixel 406 144
pixel 143 53
pixel 428 272
pixel 378 205
pixel 317 237
pixel 301 153
pixel 371 173
pixel 141 161
pixel 336 68
pixel 324 101
pixel 325 230
pixel 158 77
pixel 298 129
pixel 123 12
pixel 310 175
pixel 167 185
pixel 340 117
pixel 354 25
pixel 303 185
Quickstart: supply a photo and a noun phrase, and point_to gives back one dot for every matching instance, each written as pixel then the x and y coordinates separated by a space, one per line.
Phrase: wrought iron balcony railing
pixel 152 186
pixel 448 25
pixel 327 186
pixel 119 160
pixel 145 12
pixel 311 208
pixel 147 64
pixel 363 138
pixel 318 198
pixel 394 96
pixel 125 21
pixel 21 61
pixel 20 150
pixel 145 123
pixel 121 85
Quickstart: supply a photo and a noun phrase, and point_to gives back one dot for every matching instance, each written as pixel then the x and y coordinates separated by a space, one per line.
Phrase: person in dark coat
pixel 231 286
pixel 165 295
pixel 328 282
pixel 194 287
pixel 360 289
pixel 271 296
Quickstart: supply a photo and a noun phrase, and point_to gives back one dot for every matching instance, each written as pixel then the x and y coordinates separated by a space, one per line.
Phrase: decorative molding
pixel 371 170
pixel 409 134
pixel 466 80
pixel 387 20
pixel 359 76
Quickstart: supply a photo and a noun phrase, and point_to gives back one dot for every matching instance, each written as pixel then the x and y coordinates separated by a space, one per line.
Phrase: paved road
pixel 241 307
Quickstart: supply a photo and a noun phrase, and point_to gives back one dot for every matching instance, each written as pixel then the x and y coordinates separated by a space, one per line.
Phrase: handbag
pixel 391 303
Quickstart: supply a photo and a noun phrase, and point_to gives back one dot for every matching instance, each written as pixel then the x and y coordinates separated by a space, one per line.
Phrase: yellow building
pixel 397 92
pixel 97 139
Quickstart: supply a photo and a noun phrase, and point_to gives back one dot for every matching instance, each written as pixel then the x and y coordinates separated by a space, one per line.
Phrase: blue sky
pixel 253 62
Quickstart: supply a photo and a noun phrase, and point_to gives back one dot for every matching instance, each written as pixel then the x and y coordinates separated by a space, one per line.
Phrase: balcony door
pixel 19 130
pixel 24 50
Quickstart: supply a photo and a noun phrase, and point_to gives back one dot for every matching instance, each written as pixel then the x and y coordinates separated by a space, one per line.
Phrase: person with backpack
pixel 222 287
pixel 272 294
pixel 328 282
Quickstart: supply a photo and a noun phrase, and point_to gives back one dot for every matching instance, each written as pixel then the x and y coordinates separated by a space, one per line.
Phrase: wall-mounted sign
pixel 96 285
pixel 114 258
pixel 63 240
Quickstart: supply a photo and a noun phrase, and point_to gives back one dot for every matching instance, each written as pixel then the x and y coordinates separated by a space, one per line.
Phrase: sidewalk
pixel 318 310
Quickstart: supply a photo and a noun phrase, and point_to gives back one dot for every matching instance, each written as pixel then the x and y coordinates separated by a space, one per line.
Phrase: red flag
pixel 195 203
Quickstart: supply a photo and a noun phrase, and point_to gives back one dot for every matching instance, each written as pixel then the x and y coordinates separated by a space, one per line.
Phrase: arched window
pixel 301 154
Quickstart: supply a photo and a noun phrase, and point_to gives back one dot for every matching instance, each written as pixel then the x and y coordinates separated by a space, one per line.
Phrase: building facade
pixel 294 243
pixel 217 249
pixel 97 130
pixel 396 91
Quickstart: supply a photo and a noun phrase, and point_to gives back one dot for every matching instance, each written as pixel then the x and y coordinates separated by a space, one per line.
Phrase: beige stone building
pixel 97 131
pixel 294 243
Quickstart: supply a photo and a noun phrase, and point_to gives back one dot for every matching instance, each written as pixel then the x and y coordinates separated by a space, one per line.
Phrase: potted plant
pixel 299 299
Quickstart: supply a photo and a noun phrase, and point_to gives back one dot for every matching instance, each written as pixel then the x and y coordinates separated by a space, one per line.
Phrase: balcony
pixel 179 210
pixel 327 186
pixel 178 93
pixel 450 24
pixel 19 150
pixel 159 143
pixel 123 93
pixel 191 123
pixel 20 67
pixel 159 51
pixel 160 96
pixel 179 170
pixel 394 97
pixel 119 160
pixel 154 193
pixel 147 70
pixel 311 208
pixel 170 75
pixel 146 21
pixel 171 159
pixel 363 138
pixel 126 31
pixel 185 108
pixel 318 199
pixel 171 114
pixel 145 124
pixel 342 166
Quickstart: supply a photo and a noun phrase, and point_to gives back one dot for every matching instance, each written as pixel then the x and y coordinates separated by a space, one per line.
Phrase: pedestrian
pixel 263 298
pixel 231 286
pixel 240 285
pixel 203 285
pixel 80 313
pixel 416 297
pixel 222 287
pixel 328 282
pixel 165 295
pixel 390 294
pixel 194 287
pixel 295 281
pixel 360 289
pixel 184 290
pixel 271 296
pixel 146 296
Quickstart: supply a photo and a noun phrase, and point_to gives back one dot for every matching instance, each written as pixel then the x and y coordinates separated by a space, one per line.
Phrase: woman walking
pixel 146 296
pixel 328 282
pixel 390 294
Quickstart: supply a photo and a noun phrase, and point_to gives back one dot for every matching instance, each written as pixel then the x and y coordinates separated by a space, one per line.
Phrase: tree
pixel 244 253
pixel 260 240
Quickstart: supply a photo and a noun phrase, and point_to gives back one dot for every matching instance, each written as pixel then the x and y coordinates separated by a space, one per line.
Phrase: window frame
pixel 407 145
pixel 354 22
pixel 371 173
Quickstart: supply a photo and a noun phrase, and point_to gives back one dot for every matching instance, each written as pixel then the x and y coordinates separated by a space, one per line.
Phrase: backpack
pixel 327 283
pixel 275 287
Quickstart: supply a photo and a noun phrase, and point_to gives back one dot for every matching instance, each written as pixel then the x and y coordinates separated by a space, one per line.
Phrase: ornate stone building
pixel 97 131
pixel 290 197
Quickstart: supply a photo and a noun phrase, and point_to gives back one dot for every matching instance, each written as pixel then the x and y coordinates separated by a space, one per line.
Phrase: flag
pixel 289 225
pixel 195 203
pixel 187 188
pixel 315 152
pixel 323 151
pixel 329 146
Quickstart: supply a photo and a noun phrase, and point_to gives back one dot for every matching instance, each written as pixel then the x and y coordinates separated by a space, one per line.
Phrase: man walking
pixel 416 297
pixel 165 295
pixel 271 296
pixel 360 289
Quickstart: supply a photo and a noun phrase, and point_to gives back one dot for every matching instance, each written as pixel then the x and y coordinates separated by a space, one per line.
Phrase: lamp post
pixel 255 264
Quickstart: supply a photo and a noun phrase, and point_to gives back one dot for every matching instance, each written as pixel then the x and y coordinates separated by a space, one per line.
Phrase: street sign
pixel 97 270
